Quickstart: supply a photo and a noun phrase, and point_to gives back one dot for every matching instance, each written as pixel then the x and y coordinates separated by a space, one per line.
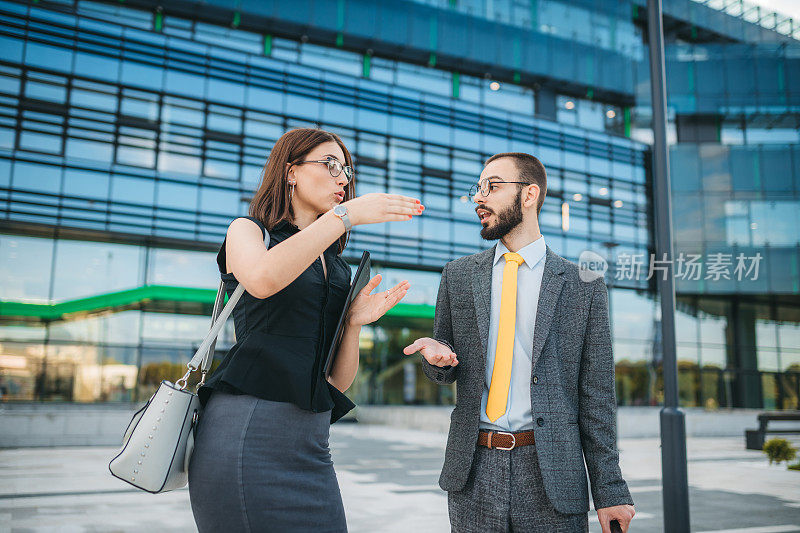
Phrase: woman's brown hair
pixel 271 203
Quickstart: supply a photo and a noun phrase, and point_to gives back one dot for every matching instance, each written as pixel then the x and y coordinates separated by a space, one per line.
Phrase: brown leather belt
pixel 503 440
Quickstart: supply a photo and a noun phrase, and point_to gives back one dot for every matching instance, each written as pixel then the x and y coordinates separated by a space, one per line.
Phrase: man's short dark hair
pixel 530 169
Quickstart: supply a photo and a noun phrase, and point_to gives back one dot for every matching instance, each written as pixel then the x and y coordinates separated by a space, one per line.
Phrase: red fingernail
pixel 416 201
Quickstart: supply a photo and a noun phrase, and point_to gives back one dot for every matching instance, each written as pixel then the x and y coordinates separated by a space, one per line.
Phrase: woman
pixel 261 460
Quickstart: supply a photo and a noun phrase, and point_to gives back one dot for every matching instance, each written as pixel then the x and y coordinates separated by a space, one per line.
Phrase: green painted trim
pixel 402 310
pixel 433 34
pixel 237 19
pixel 117 301
pixel 456 84
pixel 340 23
pixel 590 94
pixel 107 301
pixel 432 60
pixel 626 114
pixel 517 77
pixel 158 22
pixel 268 45
pixel 366 65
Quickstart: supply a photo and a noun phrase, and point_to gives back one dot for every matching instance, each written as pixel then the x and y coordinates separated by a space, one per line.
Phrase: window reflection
pixel 46 90
pixel 117 328
pixel 175 330
pixel 85 269
pixel 25 265
pixel 182 268
pixel 96 66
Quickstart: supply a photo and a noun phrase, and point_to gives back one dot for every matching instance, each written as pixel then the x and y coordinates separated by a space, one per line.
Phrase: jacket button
pixel 535 380
pixel 540 421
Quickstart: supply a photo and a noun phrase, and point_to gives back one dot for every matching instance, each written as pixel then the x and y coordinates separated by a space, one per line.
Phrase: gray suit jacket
pixel 572 386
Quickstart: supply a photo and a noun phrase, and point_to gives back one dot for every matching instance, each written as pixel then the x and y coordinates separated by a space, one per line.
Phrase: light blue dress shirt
pixel 518 416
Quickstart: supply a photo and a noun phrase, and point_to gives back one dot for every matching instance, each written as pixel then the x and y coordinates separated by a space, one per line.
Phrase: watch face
pixel 340 210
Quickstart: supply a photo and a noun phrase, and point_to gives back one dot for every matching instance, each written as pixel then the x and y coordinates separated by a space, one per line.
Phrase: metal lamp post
pixel 673 424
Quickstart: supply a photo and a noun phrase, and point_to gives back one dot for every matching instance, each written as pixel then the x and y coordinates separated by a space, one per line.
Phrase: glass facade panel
pixel 182 268
pixel 25 268
pixel 85 269
pixel 126 150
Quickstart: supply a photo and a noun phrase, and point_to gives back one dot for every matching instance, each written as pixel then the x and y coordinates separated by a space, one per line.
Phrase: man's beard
pixel 507 219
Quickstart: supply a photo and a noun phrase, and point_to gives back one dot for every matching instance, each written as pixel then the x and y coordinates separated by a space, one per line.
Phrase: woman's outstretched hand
pixel 380 207
pixel 368 308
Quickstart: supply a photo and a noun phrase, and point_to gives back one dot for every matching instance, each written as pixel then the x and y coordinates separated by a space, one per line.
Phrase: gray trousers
pixel 505 492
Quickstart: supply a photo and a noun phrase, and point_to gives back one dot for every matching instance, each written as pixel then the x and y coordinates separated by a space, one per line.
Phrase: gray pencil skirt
pixel 260 465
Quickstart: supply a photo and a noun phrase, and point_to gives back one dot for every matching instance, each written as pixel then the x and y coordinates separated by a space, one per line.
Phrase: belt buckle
pixel 513 440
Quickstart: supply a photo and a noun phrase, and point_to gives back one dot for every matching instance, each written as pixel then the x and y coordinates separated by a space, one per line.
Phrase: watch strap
pixel 345 219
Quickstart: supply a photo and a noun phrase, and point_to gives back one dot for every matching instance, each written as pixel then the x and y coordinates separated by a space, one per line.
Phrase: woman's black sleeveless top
pixel 282 340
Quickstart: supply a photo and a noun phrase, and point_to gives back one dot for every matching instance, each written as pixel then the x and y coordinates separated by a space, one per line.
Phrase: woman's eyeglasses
pixel 335 167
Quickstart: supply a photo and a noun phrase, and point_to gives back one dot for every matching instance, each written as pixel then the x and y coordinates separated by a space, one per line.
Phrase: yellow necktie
pixel 501 373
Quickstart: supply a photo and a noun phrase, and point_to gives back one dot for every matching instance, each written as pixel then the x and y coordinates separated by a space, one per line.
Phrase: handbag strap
pixel 218 306
pixel 204 355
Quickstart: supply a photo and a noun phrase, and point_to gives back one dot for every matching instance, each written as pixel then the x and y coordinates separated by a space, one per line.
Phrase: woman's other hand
pixel 368 308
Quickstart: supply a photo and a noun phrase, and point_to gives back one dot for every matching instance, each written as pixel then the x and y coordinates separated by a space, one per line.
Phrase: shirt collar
pixel 285 224
pixel 532 253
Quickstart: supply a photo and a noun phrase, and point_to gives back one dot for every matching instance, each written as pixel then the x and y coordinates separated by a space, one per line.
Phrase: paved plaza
pixel 388 478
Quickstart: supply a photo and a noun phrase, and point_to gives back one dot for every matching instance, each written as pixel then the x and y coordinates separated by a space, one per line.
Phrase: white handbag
pixel 159 440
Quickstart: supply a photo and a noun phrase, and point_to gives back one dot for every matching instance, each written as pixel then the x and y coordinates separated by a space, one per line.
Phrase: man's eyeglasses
pixel 335 167
pixel 485 186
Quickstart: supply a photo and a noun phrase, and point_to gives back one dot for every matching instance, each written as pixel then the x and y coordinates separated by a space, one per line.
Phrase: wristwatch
pixel 341 212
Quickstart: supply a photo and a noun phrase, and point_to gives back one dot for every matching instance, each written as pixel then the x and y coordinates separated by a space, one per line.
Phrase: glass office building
pixel 132 133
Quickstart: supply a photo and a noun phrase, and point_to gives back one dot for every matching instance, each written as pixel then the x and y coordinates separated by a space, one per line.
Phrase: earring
pixel 291 191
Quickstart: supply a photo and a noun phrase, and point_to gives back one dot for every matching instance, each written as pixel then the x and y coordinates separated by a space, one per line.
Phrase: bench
pixel 754 438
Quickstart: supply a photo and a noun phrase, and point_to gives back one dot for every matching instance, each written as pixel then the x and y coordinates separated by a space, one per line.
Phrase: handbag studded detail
pixel 159 440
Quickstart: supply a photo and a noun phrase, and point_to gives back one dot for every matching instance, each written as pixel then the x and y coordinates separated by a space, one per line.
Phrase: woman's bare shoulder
pixel 242 227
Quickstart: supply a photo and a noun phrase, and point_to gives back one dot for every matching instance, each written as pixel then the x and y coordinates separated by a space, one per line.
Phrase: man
pixel 534 372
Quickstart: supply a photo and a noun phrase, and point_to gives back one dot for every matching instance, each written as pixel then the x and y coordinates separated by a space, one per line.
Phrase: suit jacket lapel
pixel 552 283
pixel 482 293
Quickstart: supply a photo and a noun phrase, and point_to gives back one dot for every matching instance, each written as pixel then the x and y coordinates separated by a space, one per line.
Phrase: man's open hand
pixel 433 351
